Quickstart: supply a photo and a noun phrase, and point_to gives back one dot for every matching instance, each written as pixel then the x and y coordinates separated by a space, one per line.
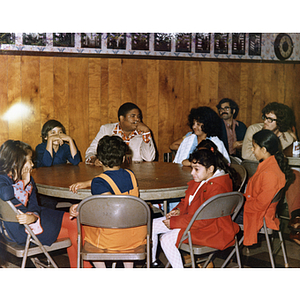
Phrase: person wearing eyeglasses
pixel 278 118
pixel 233 131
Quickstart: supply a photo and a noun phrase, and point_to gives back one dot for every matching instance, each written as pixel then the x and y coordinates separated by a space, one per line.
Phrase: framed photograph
pixel 140 41
pixel 202 42
pixel 221 43
pixel 238 43
pixel 162 42
pixel 116 41
pixel 35 39
pixel 63 39
pixel 183 42
pixel 255 44
pixel 7 38
pixel 91 40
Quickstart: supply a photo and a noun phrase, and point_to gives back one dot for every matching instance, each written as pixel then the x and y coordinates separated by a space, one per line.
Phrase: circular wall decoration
pixel 283 46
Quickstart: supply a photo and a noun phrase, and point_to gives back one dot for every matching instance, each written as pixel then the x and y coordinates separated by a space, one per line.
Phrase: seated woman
pixel 272 174
pixel 205 124
pixel 210 177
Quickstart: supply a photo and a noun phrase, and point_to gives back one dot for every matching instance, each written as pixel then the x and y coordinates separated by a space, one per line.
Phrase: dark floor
pixel 253 257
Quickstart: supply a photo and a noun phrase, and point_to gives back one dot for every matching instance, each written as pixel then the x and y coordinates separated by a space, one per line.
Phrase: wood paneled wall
pixel 86 92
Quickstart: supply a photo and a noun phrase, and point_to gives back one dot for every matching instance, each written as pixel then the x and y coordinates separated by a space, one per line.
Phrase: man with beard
pixel 132 130
pixel 278 118
pixel 233 131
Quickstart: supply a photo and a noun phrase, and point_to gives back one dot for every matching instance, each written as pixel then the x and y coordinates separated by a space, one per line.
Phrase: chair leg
pixel 237 252
pixel 286 265
pixel 25 252
pixel 191 250
pixel 208 260
pixel 232 253
pixel 269 245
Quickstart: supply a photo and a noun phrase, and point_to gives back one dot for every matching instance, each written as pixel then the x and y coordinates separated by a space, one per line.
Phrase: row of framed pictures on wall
pixel 162 42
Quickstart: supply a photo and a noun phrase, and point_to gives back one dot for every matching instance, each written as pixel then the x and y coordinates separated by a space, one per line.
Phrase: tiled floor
pixel 256 257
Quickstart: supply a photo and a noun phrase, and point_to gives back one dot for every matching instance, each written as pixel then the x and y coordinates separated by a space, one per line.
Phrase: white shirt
pixel 140 149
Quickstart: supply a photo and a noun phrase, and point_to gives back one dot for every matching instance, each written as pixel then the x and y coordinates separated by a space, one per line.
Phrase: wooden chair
pixel 33 246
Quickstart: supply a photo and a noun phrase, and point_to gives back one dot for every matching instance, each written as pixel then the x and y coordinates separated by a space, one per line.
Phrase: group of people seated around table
pixel 206 150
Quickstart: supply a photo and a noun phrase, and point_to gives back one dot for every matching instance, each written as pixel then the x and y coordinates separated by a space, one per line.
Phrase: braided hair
pixel 268 139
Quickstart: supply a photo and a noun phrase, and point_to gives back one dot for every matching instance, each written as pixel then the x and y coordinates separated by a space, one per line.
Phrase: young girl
pixel 272 174
pixel 114 180
pixel 17 185
pixel 57 147
pixel 210 177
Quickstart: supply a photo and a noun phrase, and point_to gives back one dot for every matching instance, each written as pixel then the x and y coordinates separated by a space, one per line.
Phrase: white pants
pixel 167 241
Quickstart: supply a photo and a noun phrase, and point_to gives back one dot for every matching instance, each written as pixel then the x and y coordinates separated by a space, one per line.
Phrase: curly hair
pixel 285 118
pixel 111 150
pixel 13 158
pixel 232 104
pixel 268 139
pixel 208 117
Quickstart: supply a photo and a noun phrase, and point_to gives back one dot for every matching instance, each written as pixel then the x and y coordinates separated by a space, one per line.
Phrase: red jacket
pixel 217 233
pixel 261 188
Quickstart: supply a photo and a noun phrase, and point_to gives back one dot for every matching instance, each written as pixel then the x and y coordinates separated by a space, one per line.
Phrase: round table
pixel 156 180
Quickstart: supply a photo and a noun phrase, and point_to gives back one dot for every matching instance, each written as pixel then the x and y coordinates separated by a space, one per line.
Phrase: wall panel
pixel 85 92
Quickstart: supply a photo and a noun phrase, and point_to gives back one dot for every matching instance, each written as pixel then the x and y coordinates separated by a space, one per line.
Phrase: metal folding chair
pixel 33 246
pixel 113 211
pixel 226 204
pixel 250 166
pixel 235 160
pixel 243 175
pixel 267 231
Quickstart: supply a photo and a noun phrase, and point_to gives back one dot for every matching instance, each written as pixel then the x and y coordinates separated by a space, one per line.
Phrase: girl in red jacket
pixel 211 177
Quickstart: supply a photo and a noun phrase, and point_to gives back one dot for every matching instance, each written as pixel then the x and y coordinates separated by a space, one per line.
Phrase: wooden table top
pixel 156 180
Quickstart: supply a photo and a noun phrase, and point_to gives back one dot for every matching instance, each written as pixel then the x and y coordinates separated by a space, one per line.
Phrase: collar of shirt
pixel 118 131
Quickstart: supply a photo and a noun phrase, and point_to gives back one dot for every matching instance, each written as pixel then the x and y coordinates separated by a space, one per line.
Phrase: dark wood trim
pixel 128 56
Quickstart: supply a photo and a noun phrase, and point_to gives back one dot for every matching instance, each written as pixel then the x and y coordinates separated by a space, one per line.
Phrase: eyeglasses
pixel 270 120
pixel 226 108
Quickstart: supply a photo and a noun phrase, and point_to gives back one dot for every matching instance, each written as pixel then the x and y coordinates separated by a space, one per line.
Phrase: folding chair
pixel 243 175
pixel 113 211
pixel 33 246
pixel 250 166
pixel 267 231
pixel 235 160
pixel 221 205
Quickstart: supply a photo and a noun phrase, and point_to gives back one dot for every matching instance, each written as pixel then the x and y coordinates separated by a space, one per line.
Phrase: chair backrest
pixel 113 211
pixel 242 172
pixel 250 166
pixel 7 213
pixel 279 195
pixel 215 207
pixel 235 160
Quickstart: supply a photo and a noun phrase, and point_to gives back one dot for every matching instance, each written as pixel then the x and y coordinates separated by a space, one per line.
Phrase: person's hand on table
pixel 73 211
pixel 93 160
pixel 79 185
